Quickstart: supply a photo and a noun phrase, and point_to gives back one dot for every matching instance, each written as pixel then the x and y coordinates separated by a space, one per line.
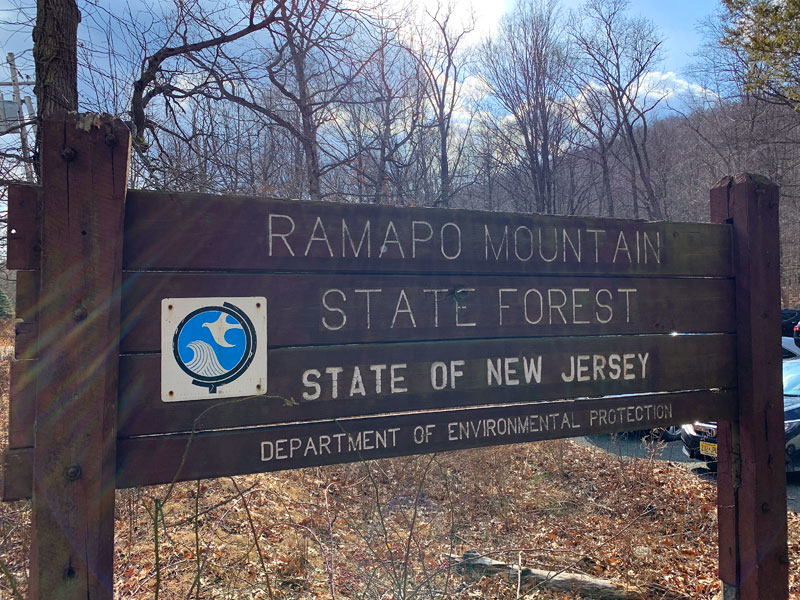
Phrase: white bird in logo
pixel 219 328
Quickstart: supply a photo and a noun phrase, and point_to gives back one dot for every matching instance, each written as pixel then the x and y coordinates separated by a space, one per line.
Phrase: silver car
pixel 700 438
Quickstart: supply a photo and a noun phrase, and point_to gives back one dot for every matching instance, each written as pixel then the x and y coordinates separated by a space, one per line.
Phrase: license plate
pixel 708 449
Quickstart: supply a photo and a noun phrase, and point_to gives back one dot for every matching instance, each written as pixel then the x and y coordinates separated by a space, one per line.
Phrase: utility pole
pixel 20 116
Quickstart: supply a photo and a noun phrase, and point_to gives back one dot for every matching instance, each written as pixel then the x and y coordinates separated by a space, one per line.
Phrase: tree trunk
pixel 380 177
pixel 653 207
pixel 548 198
pixel 606 170
pixel 312 160
pixel 55 55
pixel 305 106
pixel 635 194
pixel 472 564
pixel 444 169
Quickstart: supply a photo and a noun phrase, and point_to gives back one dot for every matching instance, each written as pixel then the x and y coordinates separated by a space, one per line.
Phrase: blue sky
pixel 677 20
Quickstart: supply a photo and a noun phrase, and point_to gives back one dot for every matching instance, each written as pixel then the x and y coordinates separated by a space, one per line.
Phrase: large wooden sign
pixel 375 310
pixel 366 331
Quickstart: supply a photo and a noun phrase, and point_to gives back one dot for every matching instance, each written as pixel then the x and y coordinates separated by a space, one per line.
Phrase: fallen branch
pixel 474 564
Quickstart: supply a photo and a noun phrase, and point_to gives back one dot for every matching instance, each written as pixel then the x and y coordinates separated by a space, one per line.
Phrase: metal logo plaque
pixel 213 348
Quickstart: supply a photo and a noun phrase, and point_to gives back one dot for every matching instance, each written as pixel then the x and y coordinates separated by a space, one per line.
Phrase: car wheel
pixel 668 434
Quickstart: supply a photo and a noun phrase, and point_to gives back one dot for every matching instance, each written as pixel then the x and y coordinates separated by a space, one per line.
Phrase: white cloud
pixel 474 88
pixel 481 16
pixel 671 85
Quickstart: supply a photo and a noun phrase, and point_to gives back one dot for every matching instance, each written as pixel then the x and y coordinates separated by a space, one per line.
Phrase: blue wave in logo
pixel 204 361
pixel 222 335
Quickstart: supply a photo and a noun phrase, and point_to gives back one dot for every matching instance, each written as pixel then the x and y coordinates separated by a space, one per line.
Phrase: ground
pixel 382 529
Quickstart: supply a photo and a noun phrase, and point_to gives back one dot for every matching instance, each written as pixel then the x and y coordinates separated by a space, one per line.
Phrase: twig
pixel 11 581
pixel 156 511
pixel 210 508
pixel 255 536
pixel 198 562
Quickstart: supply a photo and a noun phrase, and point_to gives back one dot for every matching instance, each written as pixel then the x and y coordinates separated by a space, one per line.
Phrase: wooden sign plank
pixel 201 232
pixel 17 473
pixel 504 237
pixel 318 383
pixel 27 310
pixel 309 309
pixel 160 459
pixel 256 450
pixel 21 403
pixel 23 234
pixel 27 300
pixel 26 340
pixel 689 362
pixel 305 309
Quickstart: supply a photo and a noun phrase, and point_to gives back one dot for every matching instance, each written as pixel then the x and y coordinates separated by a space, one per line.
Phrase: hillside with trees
pixel 555 112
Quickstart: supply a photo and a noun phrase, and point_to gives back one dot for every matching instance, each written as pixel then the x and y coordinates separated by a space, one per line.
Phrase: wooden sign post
pixel 85 176
pixel 751 477
pixel 389 331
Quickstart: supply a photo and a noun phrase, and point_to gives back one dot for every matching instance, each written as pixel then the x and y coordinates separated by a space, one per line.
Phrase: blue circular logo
pixel 214 345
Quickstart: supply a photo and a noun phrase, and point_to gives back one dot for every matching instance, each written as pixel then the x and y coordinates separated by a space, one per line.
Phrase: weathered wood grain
pixel 672 363
pixel 194 231
pixel 26 340
pixel 161 459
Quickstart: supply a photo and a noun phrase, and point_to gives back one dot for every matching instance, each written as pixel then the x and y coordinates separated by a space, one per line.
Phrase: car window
pixel 787 354
pixel 791 377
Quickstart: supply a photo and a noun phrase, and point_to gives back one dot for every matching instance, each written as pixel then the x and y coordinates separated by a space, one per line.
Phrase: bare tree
pixel 525 67
pixel 384 111
pixel 617 53
pixel 592 109
pixel 297 79
pixel 439 48
pixel 187 33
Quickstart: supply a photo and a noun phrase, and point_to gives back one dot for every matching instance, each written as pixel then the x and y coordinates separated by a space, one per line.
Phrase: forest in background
pixel 555 112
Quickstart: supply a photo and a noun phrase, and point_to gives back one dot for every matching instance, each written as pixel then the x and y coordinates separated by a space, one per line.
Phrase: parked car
pixel 796 334
pixel 790 348
pixel 670 433
pixel 790 317
pixel 700 438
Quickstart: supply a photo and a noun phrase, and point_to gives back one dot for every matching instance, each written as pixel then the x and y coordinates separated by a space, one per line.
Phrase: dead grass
pixel 379 530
